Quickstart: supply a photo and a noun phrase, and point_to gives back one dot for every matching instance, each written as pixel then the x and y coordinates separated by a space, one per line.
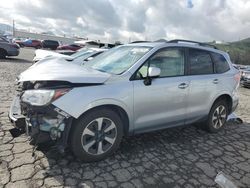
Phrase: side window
pixel 220 63
pixel 170 61
pixel 200 62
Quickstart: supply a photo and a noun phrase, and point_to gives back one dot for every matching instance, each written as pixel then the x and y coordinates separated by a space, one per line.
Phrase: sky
pixel 130 20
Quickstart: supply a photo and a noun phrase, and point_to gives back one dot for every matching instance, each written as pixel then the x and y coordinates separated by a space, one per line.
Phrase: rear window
pixel 220 63
pixel 200 62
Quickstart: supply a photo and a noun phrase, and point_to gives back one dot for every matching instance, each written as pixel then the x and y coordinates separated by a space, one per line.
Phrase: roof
pixel 169 44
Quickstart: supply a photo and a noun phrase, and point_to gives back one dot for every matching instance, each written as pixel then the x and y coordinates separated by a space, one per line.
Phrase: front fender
pixel 82 99
pixel 107 101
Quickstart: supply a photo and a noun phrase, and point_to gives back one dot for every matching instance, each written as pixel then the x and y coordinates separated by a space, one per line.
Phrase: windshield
pixel 119 59
pixel 82 52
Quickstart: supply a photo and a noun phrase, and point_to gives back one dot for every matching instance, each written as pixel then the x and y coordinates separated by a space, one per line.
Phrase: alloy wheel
pixel 219 117
pixel 99 136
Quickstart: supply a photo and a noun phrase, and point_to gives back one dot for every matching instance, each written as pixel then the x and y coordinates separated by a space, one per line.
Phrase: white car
pixel 81 55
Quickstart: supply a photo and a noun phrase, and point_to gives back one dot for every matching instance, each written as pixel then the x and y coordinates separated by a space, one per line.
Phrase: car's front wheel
pixel 96 135
pixel 217 117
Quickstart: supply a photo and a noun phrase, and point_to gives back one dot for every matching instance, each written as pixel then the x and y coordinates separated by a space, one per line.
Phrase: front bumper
pixel 15 115
pixel 41 124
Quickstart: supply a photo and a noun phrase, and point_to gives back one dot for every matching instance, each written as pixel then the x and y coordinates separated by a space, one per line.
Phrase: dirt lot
pixel 177 157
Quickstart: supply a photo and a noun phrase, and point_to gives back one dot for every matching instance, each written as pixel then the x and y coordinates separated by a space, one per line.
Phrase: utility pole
pixel 13 27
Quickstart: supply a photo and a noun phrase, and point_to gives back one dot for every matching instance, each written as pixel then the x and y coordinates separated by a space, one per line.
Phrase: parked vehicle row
pixel 129 89
pixel 7 48
pixel 51 44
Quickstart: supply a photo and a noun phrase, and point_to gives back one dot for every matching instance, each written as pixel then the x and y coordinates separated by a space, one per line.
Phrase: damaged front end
pixel 32 112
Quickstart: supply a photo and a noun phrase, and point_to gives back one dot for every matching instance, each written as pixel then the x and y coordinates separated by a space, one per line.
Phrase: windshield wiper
pixel 100 70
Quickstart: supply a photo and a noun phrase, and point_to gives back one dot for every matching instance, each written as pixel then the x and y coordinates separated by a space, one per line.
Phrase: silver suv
pixel 127 90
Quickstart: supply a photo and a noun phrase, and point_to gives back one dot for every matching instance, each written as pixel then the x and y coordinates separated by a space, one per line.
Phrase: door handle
pixel 216 81
pixel 183 85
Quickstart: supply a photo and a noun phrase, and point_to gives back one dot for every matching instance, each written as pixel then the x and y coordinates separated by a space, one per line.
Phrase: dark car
pixel 7 48
pixel 245 77
pixel 73 47
pixel 30 43
pixel 51 44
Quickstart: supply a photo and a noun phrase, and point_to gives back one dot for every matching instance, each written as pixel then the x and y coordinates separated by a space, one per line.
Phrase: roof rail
pixel 139 41
pixel 161 40
pixel 194 42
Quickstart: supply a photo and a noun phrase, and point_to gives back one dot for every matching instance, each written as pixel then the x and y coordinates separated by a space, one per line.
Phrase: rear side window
pixel 220 63
pixel 200 62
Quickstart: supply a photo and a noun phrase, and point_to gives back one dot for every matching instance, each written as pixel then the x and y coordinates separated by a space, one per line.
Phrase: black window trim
pixel 214 64
pixel 133 77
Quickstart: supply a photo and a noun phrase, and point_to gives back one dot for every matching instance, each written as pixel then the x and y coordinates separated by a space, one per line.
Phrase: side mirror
pixel 154 72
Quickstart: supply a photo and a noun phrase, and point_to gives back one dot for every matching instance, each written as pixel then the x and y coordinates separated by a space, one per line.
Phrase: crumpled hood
pixel 61 70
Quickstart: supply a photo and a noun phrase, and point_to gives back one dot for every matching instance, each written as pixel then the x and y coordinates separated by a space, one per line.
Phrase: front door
pixel 162 103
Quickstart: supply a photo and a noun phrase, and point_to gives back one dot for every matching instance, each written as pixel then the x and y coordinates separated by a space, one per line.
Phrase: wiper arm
pixel 100 70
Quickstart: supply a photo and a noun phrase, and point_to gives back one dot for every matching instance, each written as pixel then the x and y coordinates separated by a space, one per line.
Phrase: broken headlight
pixel 42 97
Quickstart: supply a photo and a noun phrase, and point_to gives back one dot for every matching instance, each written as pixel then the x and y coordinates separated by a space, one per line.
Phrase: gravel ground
pixel 177 157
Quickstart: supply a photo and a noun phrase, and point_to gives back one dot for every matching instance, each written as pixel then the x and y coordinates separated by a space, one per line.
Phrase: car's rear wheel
pixel 217 117
pixel 3 54
pixel 96 135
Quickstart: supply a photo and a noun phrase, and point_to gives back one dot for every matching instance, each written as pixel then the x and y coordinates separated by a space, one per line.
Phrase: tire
pixel 3 54
pixel 87 135
pixel 217 117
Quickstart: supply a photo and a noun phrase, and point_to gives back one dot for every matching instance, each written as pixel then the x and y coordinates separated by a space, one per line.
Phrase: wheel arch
pixel 115 108
pixel 227 98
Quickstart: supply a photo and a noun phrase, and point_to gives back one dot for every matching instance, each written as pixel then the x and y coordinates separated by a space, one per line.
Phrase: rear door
pixel 203 84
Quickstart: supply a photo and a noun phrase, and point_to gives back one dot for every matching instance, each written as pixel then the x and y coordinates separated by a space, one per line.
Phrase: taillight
pixel 237 77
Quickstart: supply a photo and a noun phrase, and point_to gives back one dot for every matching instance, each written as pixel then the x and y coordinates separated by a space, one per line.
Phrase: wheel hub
pixel 99 136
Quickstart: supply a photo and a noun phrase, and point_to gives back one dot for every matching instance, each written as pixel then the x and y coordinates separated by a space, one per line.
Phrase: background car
pixel 245 77
pixel 81 55
pixel 17 40
pixel 51 44
pixel 30 43
pixel 7 48
pixel 73 47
